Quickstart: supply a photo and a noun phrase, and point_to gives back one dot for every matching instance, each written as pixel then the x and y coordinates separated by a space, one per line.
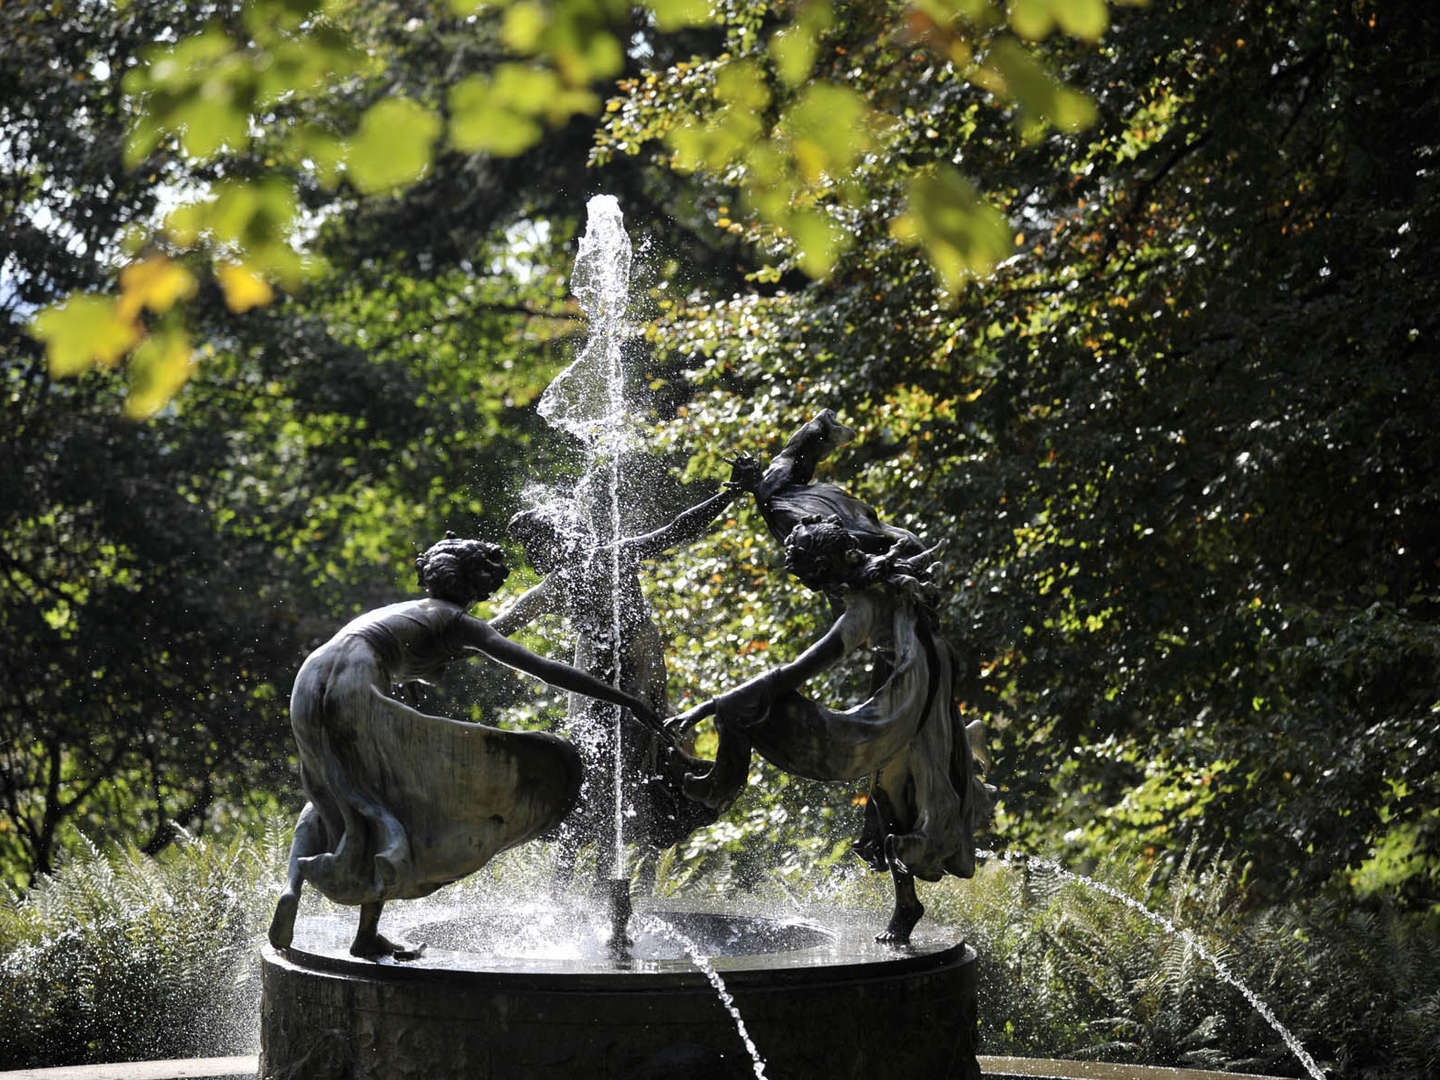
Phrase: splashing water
pixel 587 400
pixel 1022 861
pixel 705 967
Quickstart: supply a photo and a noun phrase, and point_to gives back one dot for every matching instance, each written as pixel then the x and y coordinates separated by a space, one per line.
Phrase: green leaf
pixel 1034 19
pixel 157 370
pixel 962 235
pixel 1009 70
pixel 1031 18
pixel 829 130
pixel 502 115
pixel 83 331
pixel 742 83
pixel 674 14
pixel 393 145
pixel 818 239
pixel 524 25
pixel 1085 19
pixel 793 50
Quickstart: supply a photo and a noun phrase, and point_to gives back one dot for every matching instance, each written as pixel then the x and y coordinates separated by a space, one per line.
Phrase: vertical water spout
pixel 587 400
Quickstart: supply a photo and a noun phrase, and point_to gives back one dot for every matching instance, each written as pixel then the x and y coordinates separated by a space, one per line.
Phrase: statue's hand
pixel 680 723
pixel 745 472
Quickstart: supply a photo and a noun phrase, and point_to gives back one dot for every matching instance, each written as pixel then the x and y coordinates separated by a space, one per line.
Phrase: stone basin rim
pixel 758 970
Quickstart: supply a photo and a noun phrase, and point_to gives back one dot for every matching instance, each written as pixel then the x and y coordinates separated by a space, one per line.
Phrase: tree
pixel 1177 446
pixel 161 581
pixel 274 100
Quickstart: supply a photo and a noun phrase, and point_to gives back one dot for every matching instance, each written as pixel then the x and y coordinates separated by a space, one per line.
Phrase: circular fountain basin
pixel 540 995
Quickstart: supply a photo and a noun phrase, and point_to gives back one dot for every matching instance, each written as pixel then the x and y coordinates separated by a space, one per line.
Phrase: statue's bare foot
pixel 901 923
pixel 375 946
pixel 282 924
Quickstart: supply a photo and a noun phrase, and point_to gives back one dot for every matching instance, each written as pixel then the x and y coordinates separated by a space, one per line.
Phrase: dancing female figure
pixel 401 802
pixel 926 800
pixel 598 592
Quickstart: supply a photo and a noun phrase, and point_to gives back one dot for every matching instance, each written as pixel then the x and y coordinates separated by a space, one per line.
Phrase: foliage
pixel 121 957
pixel 272 100
pixel 159 582
pixel 1177 441
pixel 168 945
pixel 1070 972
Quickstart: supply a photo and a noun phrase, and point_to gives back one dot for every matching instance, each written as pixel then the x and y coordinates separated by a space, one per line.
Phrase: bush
pixel 1070 972
pixel 118 956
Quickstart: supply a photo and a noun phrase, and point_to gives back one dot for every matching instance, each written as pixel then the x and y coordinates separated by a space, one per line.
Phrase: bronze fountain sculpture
pixel 401 803
pixel 926 800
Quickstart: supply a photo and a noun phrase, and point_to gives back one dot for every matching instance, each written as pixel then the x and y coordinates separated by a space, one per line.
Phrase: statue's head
pixel 823 554
pixel 461 571
pixel 543 537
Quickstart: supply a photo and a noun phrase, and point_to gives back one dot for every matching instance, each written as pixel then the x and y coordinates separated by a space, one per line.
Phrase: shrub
pixel 118 956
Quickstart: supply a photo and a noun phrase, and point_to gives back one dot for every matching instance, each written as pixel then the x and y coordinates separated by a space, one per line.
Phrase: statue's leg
pixel 370 943
pixel 719 787
pixel 908 908
pixel 309 839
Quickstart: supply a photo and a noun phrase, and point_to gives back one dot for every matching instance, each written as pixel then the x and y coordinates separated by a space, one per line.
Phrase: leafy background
pixel 1132 307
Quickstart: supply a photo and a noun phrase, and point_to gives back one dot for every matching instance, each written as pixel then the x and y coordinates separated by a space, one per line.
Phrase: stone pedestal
pixel 824 1010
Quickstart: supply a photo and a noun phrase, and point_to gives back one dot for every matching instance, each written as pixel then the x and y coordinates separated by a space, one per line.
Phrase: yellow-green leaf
pixel 393 145
pixel 1034 19
pixel 244 289
pixel 481 118
pixel 155 283
pixel 157 370
pixel 793 50
pixel 830 130
pixel 524 25
pixel 962 235
pixel 83 331
pixel 818 239
pixel 1087 19
pixel 208 124
pixel 1011 71
pixel 674 14
pixel 742 83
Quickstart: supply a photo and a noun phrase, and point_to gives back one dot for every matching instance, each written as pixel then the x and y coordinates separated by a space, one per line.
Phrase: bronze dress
pixel 411 801
pixel 907 736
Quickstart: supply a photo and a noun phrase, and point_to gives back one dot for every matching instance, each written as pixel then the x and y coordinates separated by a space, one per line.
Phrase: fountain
pixel 644 987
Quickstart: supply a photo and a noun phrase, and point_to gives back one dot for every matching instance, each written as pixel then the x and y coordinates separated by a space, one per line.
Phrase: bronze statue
pixel 401 802
pixel 787 493
pixel 926 800
pixel 589 586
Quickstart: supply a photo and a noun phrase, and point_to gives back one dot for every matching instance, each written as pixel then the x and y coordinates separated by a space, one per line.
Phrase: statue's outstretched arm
pixel 688 527
pixel 538 600
pixel 823 654
pixel 482 637
pixel 752 699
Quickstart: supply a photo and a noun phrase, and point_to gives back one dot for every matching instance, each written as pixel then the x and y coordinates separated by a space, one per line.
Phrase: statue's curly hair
pixel 819 550
pixel 461 571
pixel 828 557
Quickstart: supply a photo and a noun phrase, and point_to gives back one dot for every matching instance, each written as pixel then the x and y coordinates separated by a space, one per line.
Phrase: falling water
pixel 1022 861
pixel 705 967
pixel 587 400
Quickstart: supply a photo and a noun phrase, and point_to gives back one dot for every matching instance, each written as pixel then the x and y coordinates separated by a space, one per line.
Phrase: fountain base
pixel 816 1001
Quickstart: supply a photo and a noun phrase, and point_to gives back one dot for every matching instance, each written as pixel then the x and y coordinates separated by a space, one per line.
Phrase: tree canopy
pixel 1131 306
